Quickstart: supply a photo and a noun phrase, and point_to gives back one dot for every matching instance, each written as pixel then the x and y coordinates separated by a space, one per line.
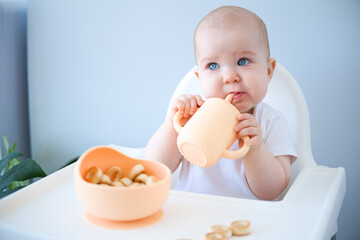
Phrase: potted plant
pixel 16 174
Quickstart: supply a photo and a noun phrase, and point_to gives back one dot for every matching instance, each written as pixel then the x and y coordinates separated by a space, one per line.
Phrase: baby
pixel 232 55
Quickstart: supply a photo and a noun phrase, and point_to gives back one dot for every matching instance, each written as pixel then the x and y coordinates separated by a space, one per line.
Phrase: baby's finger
pixel 244 116
pixel 246 124
pixel 193 106
pixel 186 103
pixel 248 131
pixel 199 100
pixel 253 141
pixel 177 107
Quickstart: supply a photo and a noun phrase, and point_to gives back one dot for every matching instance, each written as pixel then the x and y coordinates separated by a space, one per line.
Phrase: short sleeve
pixel 276 133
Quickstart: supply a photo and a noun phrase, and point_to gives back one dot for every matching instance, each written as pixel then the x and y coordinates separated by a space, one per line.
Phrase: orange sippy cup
pixel 209 133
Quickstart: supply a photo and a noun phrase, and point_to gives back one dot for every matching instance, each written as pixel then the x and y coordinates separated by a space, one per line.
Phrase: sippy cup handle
pixel 178 116
pixel 237 153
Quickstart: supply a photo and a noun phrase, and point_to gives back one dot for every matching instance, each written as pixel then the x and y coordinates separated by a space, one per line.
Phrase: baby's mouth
pixel 237 95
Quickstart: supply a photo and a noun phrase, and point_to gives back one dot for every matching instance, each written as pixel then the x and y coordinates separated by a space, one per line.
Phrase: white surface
pixel 49 209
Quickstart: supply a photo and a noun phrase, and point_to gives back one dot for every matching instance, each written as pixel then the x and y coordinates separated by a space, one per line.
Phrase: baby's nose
pixel 231 76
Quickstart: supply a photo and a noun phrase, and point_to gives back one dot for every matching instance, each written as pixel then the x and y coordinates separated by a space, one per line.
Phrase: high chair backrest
pixel 285 95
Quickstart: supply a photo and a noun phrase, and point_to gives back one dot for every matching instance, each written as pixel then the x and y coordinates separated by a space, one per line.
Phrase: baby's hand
pixel 187 104
pixel 248 126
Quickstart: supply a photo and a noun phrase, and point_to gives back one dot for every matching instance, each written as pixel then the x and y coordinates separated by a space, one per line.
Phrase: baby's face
pixel 235 61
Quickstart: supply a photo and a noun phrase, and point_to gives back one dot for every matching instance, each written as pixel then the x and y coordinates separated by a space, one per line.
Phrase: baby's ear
pixel 196 71
pixel 271 64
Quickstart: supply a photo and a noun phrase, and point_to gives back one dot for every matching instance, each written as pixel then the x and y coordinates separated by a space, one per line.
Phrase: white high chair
pixel 286 95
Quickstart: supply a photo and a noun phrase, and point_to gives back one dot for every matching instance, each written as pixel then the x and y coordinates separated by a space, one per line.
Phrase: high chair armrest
pixel 319 188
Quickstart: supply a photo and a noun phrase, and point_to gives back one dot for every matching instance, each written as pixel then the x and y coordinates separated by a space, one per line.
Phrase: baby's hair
pixel 229 15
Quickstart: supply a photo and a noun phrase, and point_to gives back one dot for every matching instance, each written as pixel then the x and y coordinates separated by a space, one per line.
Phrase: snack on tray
pixel 126 181
pixel 142 177
pixel 105 179
pixel 135 171
pixel 240 228
pixel 115 173
pixel 215 236
pixel 222 229
pixel 117 184
pixel 114 177
pixel 222 232
pixel 93 175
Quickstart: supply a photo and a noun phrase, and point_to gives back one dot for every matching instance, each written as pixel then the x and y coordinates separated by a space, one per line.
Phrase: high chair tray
pixel 50 209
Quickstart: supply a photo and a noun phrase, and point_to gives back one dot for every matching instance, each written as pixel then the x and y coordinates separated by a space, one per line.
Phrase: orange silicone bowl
pixel 120 203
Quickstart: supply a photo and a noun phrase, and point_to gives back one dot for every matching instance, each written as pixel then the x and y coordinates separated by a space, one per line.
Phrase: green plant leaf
pixel 5 193
pixel 16 184
pixel 12 149
pixel 26 170
pixel 15 174
pixel 13 162
pixel 6 143
pixel 10 156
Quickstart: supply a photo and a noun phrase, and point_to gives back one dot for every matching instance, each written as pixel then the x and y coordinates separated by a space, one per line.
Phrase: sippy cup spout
pixel 229 97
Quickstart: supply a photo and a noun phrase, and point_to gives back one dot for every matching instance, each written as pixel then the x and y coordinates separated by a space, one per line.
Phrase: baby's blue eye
pixel 243 62
pixel 213 66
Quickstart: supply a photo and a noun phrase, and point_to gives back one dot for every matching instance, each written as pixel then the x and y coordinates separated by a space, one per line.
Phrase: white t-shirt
pixel 227 177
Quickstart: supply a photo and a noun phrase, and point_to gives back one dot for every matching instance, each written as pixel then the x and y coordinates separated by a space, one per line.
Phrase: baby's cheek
pixel 210 90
